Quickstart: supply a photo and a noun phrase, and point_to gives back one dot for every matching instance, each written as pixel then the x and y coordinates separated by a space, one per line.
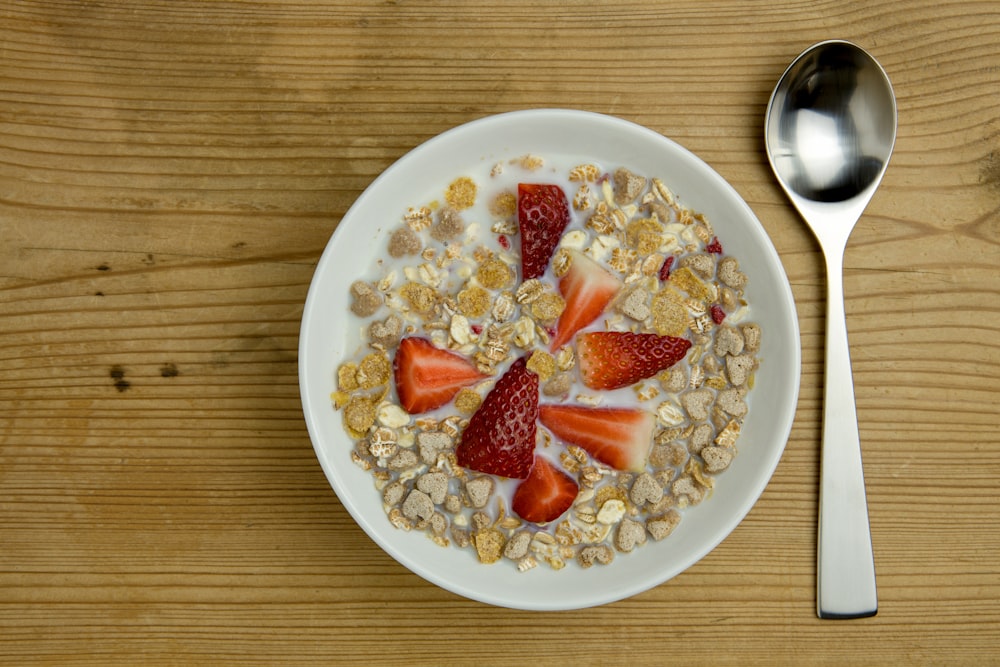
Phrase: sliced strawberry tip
pixel 500 437
pixel 427 376
pixel 615 359
pixel 545 494
pixel 588 288
pixel 618 437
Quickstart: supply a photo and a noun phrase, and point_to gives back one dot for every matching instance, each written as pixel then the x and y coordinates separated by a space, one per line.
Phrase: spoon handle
pixel 846 567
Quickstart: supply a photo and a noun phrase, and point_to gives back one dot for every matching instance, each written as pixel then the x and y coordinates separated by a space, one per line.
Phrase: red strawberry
pixel 718 314
pixel 542 213
pixel 588 289
pixel 665 269
pixel 427 377
pixel 619 437
pixel 545 494
pixel 614 359
pixel 500 437
pixel 715 246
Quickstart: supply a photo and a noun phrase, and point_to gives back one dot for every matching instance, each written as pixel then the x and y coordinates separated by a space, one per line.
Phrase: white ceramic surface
pixel 608 140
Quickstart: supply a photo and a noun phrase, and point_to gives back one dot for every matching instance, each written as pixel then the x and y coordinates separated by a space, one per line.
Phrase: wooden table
pixel 170 172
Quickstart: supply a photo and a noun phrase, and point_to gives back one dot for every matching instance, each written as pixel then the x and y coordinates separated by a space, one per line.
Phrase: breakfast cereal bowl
pixel 704 499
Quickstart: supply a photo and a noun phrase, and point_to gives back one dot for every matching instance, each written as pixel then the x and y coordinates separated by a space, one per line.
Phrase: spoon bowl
pixel 829 131
pixel 831 125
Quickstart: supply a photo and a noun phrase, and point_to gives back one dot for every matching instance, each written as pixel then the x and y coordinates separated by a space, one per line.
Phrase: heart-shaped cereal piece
pixel 645 489
pixel 630 535
pixel 696 403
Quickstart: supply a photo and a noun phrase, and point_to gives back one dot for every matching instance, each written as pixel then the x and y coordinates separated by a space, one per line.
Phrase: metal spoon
pixel 829 131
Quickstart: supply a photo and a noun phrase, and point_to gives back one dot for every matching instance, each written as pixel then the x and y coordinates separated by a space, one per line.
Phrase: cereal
pixel 542 364
pixel 448 272
pixel 717 458
pixel 696 403
pixel 611 512
pixel 347 377
pixel 393 494
pixel 644 235
pixel 583 199
pixel 669 414
pixel 460 330
pixel 404 241
pixel 602 222
pixel 687 491
pixel 700 438
pixel 430 444
pixel 730 274
pixel 435 485
pixel 547 308
pixel 559 385
pixel 517 546
pixel 382 443
pixel 359 414
pixel 503 307
pixel 660 527
pixel 751 334
pixel 479 490
pixel 645 489
pixel 467 401
pixel 685 280
pixel 404 460
pixel 374 371
pixel 418 506
pixel 386 334
pixel 366 299
pixel 494 274
pixel 728 435
pixel 634 305
pixel 449 225
pixel 670 317
pixel 489 545
pixel 529 291
pixel 504 205
pixel 630 535
pixel 628 186
pixel 731 402
pixel 585 173
pixel 702 265
pixel 474 301
pixel 418 219
pixel 420 298
pixel 738 368
pixel 728 341
pixel 461 194
pixel 529 162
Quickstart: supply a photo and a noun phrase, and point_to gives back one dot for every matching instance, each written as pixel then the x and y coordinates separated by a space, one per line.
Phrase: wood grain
pixel 169 175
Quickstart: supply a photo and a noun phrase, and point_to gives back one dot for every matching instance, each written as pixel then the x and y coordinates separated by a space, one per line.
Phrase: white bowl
pixel 426 169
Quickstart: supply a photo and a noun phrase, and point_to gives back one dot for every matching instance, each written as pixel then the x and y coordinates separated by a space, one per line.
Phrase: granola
pixel 449 273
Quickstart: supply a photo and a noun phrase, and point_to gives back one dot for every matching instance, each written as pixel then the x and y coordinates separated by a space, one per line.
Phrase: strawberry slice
pixel 545 494
pixel 427 377
pixel 614 359
pixel 542 213
pixel 619 437
pixel 587 288
pixel 500 437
